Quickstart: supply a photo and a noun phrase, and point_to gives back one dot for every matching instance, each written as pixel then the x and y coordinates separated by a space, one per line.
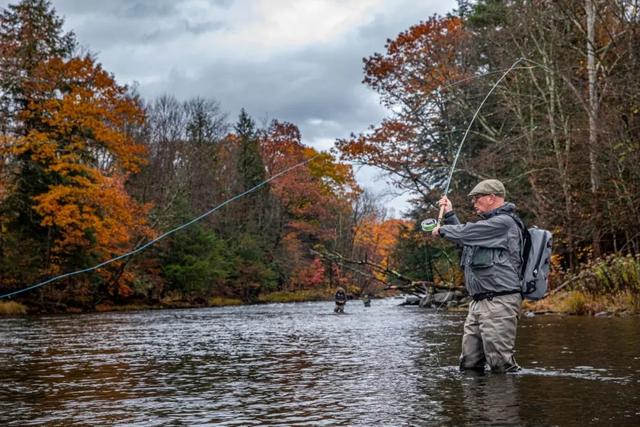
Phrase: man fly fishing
pixel 491 259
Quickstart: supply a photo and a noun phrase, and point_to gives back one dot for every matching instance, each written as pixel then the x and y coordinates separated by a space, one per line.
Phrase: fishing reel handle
pixel 429 224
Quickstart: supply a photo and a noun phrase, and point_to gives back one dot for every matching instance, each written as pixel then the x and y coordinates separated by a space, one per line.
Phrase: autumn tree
pixel 412 77
pixel 68 153
pixel 561 120
pixel 315 201
pixel 23 45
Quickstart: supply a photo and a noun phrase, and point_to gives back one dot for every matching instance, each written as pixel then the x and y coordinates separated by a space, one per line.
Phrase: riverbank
pixel 14 308
pixel 584 303
pixel 572 302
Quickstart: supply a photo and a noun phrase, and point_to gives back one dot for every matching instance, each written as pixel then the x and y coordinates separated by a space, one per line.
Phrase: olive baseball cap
pixel 488 186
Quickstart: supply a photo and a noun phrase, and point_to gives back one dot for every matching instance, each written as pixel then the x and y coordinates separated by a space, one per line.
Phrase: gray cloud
pixel 318 82
pixel 162 44
pixel 302 88
pixel 120 9
pixel 101 24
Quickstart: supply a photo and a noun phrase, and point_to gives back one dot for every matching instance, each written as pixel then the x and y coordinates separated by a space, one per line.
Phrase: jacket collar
pixel 507 208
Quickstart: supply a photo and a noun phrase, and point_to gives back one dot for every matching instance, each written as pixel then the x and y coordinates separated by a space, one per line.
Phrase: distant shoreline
pixel 569 303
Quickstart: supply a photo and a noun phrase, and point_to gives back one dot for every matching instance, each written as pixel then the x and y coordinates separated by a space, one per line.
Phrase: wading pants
pixel 490 334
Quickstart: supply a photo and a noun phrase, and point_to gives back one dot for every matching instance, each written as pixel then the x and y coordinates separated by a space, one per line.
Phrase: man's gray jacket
pixel 492 254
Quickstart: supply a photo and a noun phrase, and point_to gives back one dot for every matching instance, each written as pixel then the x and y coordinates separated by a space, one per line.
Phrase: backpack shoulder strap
pixel 518 221
pixel 526 239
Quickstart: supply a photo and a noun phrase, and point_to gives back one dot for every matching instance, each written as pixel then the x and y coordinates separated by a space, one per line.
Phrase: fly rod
pixel 430 224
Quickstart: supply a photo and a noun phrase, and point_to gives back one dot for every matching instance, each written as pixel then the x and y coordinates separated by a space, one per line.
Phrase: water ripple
pixel 286 364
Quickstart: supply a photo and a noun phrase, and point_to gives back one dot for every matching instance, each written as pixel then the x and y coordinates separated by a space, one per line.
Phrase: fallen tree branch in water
pixel 410 286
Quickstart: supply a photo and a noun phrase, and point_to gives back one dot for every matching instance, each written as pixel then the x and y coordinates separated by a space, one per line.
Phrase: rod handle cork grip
pixel 440 215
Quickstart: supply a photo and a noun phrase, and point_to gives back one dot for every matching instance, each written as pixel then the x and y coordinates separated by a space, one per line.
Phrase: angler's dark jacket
pixel 491 255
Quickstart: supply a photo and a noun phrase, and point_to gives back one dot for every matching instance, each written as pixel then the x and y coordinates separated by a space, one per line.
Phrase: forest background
pixel 90 171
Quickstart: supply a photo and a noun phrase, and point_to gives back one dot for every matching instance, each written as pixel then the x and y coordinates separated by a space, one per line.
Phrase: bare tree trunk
pixel 558 129
pixel 593 116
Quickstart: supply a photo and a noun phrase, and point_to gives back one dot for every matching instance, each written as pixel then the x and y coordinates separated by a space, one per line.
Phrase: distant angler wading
pixel 341 300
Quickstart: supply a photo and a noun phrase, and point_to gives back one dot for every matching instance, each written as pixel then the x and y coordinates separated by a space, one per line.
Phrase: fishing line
pixel 157 239
pixel 481 76
pixel 431 224
pixel 455 159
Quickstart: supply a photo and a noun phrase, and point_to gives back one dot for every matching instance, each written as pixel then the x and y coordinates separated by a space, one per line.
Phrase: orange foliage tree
pixel 411 79
pixel 76 125
pixel 376 241
pixel 315 198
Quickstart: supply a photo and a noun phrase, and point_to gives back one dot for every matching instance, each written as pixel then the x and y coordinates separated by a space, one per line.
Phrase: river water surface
pixel 299 364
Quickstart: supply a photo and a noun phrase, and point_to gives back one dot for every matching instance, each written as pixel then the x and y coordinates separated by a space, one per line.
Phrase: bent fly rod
pixel 430 224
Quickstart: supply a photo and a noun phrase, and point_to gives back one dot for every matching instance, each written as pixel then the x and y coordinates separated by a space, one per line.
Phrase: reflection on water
pixel 299 364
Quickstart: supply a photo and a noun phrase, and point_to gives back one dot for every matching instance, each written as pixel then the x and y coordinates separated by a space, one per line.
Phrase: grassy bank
pixel 12 308
pixel 607 285
pixel 298 296
pixel 580 302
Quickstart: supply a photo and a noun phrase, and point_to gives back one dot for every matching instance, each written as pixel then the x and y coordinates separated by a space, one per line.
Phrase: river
pixel 300 364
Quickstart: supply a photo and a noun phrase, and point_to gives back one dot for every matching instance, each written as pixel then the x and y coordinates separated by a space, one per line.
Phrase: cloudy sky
pixel 292 60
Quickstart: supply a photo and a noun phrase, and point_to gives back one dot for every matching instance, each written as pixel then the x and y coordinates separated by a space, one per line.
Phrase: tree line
pixel 90 171
pixel 561 130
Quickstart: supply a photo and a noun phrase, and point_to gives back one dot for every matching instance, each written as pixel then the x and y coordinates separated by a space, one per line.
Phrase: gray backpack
pixel 536 257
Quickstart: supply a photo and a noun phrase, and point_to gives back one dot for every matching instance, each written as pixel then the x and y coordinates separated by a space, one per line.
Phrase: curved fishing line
pixel 466 133
pixel 162 236
pixel 455 159
pixel 490 73
pixel 480 76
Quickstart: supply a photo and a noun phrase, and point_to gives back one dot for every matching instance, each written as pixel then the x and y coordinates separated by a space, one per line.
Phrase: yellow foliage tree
pixel 378 238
